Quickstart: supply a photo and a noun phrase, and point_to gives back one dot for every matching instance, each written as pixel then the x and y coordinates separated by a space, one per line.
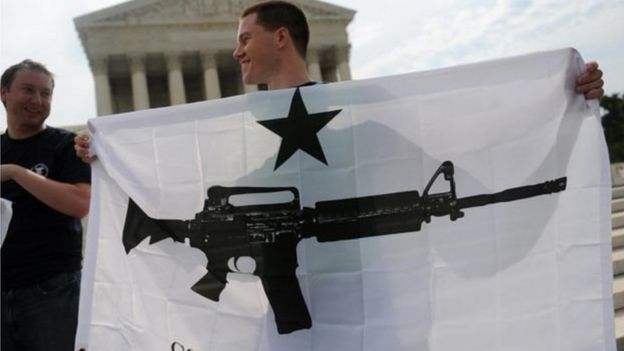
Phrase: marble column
pixel 140 93
pixel 331 74
pixel 177 94
pixel 344 71
pixel 314 68
pixel 103 101
pixel 211 75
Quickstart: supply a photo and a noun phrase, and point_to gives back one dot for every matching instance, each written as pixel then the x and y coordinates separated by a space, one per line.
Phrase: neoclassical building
pixel 154 53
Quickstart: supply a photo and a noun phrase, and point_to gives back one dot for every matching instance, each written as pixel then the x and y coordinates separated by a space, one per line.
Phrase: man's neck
pixel 290 76
pixel 24 132
pixel 289 82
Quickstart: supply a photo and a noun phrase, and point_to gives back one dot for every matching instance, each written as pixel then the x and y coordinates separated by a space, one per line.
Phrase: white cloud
pixel 473 32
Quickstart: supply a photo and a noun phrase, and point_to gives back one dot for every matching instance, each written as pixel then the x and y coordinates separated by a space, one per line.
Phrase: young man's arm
pixel 70 199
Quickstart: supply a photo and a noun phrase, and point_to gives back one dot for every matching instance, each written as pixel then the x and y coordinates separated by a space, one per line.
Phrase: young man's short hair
pixel 275 14
pixel 9 75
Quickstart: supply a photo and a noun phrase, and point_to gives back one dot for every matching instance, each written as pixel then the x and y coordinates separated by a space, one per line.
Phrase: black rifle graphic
pixel 270 232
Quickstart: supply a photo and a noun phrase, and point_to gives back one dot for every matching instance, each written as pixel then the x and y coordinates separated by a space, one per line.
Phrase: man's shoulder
pixel 60 132
pixel 58 136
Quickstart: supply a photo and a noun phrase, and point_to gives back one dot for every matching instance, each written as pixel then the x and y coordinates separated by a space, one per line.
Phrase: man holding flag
pixel 271 46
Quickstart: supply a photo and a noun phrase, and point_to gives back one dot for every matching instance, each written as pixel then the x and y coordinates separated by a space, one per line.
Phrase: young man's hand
pixel 590 82
pixel 81 145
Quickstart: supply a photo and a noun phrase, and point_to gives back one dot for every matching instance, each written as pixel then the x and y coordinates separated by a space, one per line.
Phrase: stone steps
pixel 617 220
pixel 618 192
pixel 618 261
pixel 617 205
pixel 619 328
pixel 617 240
pixel 618 293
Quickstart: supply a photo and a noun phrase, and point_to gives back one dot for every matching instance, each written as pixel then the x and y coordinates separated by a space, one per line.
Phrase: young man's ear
pixel 282 37
pixel 3 95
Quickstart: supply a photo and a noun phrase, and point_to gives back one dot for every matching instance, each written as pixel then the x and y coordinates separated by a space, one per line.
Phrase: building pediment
pixel 167 12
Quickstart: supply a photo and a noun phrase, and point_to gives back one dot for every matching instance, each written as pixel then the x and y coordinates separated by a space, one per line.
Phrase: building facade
pixel 154 53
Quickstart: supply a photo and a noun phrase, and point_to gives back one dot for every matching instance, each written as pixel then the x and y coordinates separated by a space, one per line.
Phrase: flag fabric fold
pixel 328 217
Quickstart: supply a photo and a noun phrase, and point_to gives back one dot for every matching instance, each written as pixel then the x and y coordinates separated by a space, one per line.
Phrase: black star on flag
pixel 298 130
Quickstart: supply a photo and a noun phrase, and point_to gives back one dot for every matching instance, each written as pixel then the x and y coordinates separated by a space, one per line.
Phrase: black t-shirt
pixel 40 241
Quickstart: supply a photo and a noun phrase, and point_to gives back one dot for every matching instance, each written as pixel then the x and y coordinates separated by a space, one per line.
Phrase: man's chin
pixel 35 121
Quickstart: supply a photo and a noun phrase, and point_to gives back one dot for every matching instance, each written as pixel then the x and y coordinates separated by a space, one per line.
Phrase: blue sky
pixel 390 37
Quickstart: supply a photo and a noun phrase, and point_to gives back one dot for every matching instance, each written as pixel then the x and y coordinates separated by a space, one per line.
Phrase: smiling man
pixel 271 45
pixel 50 191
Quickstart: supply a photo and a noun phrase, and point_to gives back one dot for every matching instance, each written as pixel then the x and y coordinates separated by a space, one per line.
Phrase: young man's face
pixel 256 51
pixel 27 99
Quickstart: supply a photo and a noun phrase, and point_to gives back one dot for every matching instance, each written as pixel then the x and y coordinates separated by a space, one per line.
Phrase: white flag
pixel 6 212
pixel 465 208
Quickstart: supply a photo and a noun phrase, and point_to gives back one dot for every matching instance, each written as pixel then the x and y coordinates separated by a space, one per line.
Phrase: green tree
pixel 613 125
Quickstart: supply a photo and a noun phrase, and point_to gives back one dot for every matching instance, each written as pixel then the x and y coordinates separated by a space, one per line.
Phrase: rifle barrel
pixel 513 194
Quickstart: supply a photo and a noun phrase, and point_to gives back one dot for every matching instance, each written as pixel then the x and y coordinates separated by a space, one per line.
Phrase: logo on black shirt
pixel 41 169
